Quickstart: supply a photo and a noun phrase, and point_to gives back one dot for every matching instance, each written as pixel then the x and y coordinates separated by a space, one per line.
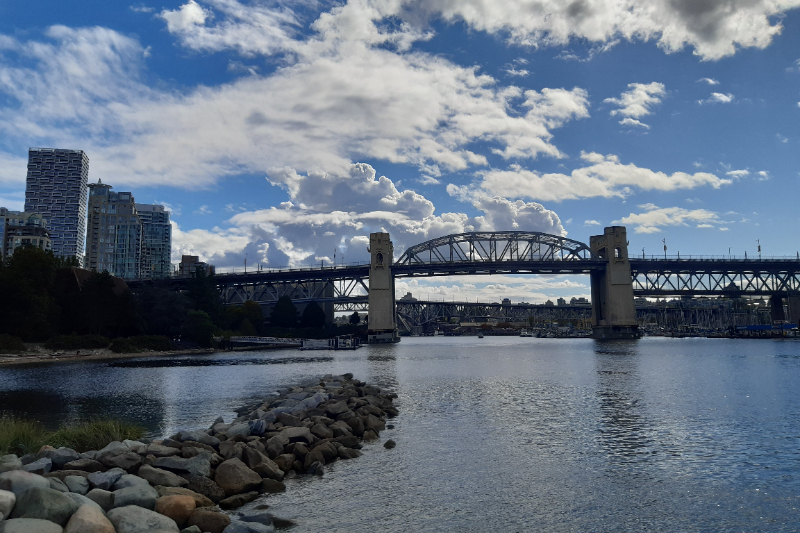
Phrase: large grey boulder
pixel 248 527
pixel 39 466
pixel 133 519
pixel 18 481
pixel 57 484
pixel 85 464
pixel 113 447
pixel 261 464
pixel 47 504
pixel 89 519
pixel 103 498
pixel 336 408
pixel 78 484
pixel 157 476
pixel 160 450
pixel 300 434
pixel 58 456
pixel 83 500
pixel 141 495
pixel 234 477
pixel 10 462
pixel 105 480
pixel 7 501
pixel 29 525
pixel 128 480
pixel 125 460
pixel 256 516
pixel 199 465
pixel 238 429
pixel 207 487
pixel 199 436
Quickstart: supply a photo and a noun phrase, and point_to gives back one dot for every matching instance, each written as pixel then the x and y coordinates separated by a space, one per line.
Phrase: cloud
pixel 763 175
pixel 710 81
pixel 591 223
pixel 654 218
pixel 633 122
pixel 637 102
pixel 781 138
pixel 141 8
pixel 604 176
pixel 203 210
pixel 738 173
pixel 514 72
pixel 717 98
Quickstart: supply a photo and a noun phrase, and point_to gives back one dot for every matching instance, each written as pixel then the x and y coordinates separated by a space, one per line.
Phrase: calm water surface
pixel 500 434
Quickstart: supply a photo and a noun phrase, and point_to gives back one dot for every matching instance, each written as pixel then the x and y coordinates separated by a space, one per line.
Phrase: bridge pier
pixel 382 324
pixel 613 310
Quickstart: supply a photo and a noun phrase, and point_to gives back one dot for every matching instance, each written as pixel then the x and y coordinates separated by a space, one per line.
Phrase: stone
pixel 239 429
pixel 230 449
pixel 256 516
pixel 18 481
pixel 195 466
pixel 285 461
pixel 328 451
pixel 83 500
pixel 199 436
pixel 270 486
pixel 57 484
pixel 314 456
pixel 315 469
pixel 340 429
pixel 300 434
pixel 274 447
pixel 46 504
pixel 135 446
pixel 133 519
pixel 112 448
pixel 334 409
pixel 128 480
pixel 389 444
pixel 89 519
pixel 261 464
pixel 288 420
pixel 104 480
pixel 248 527
pixel 78 484
pixel 39 466
pixel 370 435
pixel 124 460
pixel 191 529
pixel 234 477
pixel 10 462
pixel 257 427
pixel 199 499
pixel 206 487
pixel 322 431
pixel 208 521
pixel 29 525
pixel 7 501
pixel 141 495
pixel 356 425
pixel 349 442
pixel 87 465
pixel 348 453
pixel 374 423
pixel 176 506
pixel 58 456
pixel 159 450
pixel 237 500
pixel 101 497
pixel 157 476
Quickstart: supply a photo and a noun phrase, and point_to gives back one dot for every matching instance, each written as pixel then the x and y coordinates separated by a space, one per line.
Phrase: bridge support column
pixel 613 310
pixel 382 324
pixel 794 308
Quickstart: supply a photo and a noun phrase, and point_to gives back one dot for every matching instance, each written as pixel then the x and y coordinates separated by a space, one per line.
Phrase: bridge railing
pixel 742 259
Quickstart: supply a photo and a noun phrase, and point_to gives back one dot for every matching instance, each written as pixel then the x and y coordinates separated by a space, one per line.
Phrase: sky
pixel 283 133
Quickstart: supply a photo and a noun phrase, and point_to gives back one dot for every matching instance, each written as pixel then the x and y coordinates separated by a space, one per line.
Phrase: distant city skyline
pixel 283 134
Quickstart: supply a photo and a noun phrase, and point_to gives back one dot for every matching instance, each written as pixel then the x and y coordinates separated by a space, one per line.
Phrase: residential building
pixel 189 265
pixel 56 188
pixel 114 242
pixel 156 241
pixel 20 229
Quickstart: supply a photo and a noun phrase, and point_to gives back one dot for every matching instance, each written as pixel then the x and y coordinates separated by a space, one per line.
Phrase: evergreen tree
pixel 313 316
pixel 355 318
pixel 284 314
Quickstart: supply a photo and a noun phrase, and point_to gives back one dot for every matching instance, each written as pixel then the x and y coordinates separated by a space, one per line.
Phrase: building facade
pixel 189 265
pixel 156 241
pixel 114 241
pixel 56 188
pixel 20 229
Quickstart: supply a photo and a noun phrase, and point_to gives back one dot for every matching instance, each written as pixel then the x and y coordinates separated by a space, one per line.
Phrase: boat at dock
pixel 343 342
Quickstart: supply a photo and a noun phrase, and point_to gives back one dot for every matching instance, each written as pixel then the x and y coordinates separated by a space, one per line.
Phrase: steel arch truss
pixel 496 247
pixel 715 278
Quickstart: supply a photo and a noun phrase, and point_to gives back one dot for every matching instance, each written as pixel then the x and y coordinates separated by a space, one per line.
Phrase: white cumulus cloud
pixel 654 218
pixel 717 98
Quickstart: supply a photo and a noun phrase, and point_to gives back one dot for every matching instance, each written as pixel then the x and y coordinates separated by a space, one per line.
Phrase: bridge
pixel 615 278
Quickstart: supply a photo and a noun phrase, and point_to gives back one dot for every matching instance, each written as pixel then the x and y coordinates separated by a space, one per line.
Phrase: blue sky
pixel 286 131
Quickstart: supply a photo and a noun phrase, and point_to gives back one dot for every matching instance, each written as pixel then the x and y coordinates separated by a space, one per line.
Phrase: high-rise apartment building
pixel 18 229
pixel 114 242
pixel 156 241
pixel 56 188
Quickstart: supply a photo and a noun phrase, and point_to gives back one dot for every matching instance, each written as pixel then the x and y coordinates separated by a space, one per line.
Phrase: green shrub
pixel 76 342
pixel 9 344
pixel 122 345
pixel 21 436
pixel 94 434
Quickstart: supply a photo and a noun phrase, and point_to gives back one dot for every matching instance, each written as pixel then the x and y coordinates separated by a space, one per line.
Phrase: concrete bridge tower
pixel 382 323
pixel 613 310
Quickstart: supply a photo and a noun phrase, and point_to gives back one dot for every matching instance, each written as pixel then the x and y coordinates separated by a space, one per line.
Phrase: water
pixel 501 433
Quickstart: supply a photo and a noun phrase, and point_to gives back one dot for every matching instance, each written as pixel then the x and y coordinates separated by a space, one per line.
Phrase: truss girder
pixel 421 313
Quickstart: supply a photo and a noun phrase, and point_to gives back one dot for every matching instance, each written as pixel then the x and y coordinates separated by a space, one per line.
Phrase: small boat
pixel 525 333
pixel 480 335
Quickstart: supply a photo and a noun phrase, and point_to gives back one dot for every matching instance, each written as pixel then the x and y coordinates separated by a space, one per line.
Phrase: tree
pixel 203 295
pixel 313 316
pixel 163 310
pixel 284 314
pixel 198 328
pixel 355 318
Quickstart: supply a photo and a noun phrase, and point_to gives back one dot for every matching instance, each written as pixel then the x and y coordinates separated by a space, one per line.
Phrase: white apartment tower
pixel 114 243
pixel 56 188
pixel 156 241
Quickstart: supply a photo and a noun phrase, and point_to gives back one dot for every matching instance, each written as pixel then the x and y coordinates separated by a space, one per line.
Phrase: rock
pixel 328 451
pixel 83 500
pixel 191 529
pixel 29 525
pixel 46 504
pixel 206 487
pixel 199 436
pixel 248 527
pixel 141 495
pixel 159 450
pixel 256 516
pixel 176 506
pixel 374 423
pixel 58 456
pixel 348 453
pixel 133 519
pixel 301 434
pixel 322 431
pixel 285 461
pixel 234 477
pixel 157 476
pixel 257 427
pixel 348 442
pixel 39 466
pixel 112 448
pixel 315 469
pixel 282 523
pixel 57 484
pixel 135 446
pixel 87 465
pixel 356 425
pixel 124 460
pixel 7 501
pixel 261 464
pixel 370 435
pixel 195 466
pixel 336 408
pixel 18 481
pixel 340 429
pixel 10 462
pixel 101 497
pixel 128 480
pixel 270 486
pixel 239 429
pixel 230 449
pixel 199 499
pixel 104 480
pixel 389 444
pixel 209 521
pixel 237 500
pixel 78 484
pixel 288 420
pixel 274 447
pixel 89 519
pixel 314 456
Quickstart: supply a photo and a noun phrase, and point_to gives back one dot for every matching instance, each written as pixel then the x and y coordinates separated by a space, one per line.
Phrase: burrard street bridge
pixel 615 277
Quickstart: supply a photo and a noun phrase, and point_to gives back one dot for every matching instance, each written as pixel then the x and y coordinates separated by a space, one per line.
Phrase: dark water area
pixel 501 433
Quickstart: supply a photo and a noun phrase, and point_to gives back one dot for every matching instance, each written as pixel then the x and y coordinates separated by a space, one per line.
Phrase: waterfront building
pixel 56 187
pixel 156 241
pixel 20 229
pixel 114 241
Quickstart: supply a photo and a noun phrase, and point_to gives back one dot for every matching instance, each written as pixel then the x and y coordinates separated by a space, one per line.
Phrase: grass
pixel 21 436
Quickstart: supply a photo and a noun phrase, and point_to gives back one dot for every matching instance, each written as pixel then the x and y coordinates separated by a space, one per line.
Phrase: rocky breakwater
pixel 192 481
